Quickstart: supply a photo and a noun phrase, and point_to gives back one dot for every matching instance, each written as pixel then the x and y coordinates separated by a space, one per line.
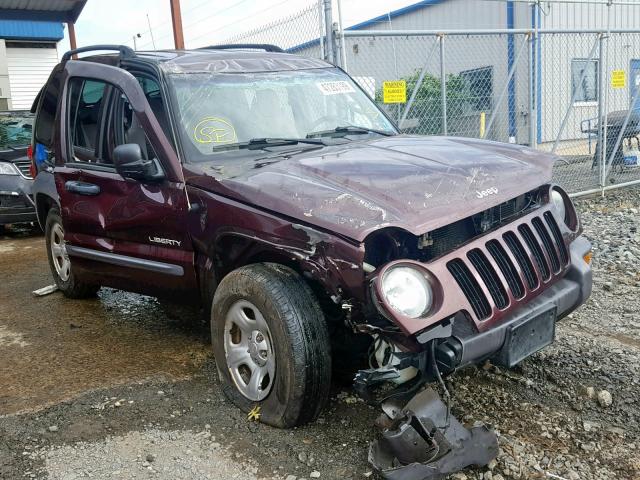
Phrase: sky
pixel 205 22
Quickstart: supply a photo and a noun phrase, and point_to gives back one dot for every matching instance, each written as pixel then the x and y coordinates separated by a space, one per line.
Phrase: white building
pixel 29 33
pixel 483 62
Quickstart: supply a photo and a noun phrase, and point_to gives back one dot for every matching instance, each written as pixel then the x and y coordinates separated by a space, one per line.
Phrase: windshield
pixel 15 129
pixel 219 112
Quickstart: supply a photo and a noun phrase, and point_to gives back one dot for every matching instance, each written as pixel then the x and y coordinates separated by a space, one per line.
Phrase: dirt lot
pixel 124 387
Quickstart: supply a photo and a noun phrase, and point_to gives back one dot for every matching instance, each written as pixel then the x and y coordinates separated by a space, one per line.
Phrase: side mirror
pixel 130 164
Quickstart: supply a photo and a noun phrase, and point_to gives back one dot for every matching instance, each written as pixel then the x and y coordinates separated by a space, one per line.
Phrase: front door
pixel 120 232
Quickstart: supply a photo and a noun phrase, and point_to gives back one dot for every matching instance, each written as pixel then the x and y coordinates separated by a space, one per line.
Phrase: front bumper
pixel 466 347
pixel 16 204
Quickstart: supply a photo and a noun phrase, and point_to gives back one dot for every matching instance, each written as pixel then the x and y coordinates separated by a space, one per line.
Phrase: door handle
pixel 82 188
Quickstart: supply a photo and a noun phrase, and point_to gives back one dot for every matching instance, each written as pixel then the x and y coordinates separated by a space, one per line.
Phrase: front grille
pixel 12 201
pixel 509 264
pixel 489 277
pixel 470 287
pixel 25 167
pixel 508 269
pixel 522 258
pixel 557 238
pixel 536 250
pixel 552 254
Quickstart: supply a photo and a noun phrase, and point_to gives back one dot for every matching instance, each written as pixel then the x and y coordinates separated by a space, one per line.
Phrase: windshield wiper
pixel 345 130
pixel 261 143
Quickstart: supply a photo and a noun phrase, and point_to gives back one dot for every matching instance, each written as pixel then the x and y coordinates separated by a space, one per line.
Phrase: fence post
pixel 443 87
pixel 321 28
pixel 533 116
pixel 601 118
pixel 328 28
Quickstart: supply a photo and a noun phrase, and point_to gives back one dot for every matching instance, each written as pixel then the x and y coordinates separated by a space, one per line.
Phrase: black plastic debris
pixel 422 440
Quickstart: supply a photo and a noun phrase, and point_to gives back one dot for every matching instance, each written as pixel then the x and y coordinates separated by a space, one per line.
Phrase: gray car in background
pixel 16 177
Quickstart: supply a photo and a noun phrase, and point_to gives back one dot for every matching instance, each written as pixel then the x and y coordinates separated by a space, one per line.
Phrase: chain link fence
pixel 303 30
pixel 562 89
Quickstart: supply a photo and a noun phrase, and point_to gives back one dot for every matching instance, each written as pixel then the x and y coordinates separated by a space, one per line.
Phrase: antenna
pixel 153 42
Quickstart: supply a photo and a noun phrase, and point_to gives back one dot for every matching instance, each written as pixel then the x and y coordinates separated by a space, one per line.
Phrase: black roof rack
pixel 125 52
pixel 254 46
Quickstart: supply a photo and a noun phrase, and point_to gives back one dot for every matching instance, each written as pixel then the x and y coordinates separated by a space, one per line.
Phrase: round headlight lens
pixel 407 291
pixel 558 203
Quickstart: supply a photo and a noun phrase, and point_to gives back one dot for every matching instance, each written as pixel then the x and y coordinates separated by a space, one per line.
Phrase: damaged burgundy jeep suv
pixel 273 189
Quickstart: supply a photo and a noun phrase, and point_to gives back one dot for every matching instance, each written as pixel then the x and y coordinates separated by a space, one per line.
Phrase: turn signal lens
pixel 588 257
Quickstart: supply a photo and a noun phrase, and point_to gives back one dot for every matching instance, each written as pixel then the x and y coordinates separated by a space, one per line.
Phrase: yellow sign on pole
pixel 618 79
pixel 394 92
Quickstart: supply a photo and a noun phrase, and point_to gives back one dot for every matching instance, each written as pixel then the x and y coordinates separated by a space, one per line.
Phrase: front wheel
pixel 59 261
pixel 271 344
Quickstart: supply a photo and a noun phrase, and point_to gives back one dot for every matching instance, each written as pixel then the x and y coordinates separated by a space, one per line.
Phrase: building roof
pixel 42 10
pixel 395 13
pixel 372 21
pixel 31 30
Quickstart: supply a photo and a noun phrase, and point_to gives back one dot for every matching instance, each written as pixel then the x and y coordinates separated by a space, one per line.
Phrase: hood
pixel 414 183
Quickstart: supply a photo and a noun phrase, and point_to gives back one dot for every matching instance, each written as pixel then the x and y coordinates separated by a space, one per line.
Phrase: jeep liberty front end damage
pixel 317 238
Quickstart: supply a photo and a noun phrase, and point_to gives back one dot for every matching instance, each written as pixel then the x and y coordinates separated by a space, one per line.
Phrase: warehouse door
pixel 29 66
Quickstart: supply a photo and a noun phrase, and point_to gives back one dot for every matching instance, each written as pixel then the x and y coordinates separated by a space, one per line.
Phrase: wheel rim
pixel 59 255
pixel 248 350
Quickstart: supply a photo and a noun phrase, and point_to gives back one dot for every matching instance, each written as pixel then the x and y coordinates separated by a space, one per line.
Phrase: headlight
pixel 558 203
pixel 7 169
pixel 407 291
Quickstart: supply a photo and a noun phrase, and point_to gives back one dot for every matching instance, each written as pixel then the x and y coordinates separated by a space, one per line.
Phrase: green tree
pixel 427 107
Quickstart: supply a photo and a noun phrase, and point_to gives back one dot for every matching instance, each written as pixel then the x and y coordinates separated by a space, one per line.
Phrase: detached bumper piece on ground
pixel 423 441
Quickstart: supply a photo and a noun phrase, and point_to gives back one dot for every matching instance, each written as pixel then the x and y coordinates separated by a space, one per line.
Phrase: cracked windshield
pixel 222 112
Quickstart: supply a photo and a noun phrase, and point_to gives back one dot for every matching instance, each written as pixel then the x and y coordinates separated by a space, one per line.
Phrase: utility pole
pixel 72 38
pixel 176 20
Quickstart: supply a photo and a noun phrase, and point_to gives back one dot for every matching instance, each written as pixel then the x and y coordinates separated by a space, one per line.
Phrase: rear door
pixel 120 232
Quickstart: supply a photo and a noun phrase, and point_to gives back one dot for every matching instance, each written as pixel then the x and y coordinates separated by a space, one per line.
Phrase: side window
pixel 152 91
pixel 86 110
pixel 47 112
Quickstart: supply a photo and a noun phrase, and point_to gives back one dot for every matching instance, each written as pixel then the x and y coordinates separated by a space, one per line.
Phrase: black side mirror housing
pixel 130 164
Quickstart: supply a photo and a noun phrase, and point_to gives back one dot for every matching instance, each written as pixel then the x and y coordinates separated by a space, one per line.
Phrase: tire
pixel 296 337
pixel 63 274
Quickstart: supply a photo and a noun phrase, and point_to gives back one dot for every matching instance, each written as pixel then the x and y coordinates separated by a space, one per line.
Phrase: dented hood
pixel 414 183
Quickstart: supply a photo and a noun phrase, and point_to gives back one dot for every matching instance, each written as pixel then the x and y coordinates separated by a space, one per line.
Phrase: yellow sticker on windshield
pixel 214 130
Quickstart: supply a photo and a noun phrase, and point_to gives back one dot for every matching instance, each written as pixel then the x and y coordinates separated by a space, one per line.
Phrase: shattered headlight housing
pixel 407 291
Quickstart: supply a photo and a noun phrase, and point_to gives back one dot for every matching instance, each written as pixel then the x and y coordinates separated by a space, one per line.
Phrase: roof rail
pixel 254 46
pixel 125 52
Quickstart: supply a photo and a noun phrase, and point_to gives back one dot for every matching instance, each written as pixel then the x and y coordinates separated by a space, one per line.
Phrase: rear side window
pixel 47 112
pixel 86 103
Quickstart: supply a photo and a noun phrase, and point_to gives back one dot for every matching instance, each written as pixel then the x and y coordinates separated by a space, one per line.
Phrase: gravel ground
pixel 571 411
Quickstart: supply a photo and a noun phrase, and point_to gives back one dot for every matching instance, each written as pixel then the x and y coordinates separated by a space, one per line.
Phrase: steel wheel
pixel 248 349
pixel 59 255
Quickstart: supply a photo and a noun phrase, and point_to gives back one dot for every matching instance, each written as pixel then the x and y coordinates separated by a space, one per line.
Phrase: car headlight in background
pixel 7 169
pixel 407 291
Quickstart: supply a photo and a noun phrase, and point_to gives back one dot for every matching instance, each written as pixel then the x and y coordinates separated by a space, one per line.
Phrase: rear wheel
pixel 60 262
pixel 271 344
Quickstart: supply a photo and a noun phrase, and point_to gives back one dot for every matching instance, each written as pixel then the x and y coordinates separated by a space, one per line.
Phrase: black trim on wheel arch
pixel 125 261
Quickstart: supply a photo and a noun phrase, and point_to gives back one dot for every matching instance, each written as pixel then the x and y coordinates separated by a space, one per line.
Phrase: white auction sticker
pixel 335 88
